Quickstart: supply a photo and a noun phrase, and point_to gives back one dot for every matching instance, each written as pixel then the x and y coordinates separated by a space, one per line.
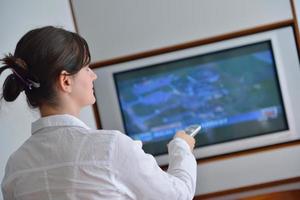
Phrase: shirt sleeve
pixel 139 176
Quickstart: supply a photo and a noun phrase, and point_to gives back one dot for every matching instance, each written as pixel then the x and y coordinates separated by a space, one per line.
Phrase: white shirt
pixel 64 159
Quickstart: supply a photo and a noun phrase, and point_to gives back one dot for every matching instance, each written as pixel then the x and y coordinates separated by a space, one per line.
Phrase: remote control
pixel 192 130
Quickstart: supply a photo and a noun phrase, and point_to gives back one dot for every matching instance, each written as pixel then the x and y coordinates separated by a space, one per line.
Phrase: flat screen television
pixel 243 91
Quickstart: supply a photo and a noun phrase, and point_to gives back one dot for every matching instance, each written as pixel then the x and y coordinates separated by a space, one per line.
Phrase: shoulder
pixel 128 150
pixel 113 135
pixel 15 163
pixel 126 143
pixel 103 144
pixel 17 160
pixel 92 134
pixel 122 142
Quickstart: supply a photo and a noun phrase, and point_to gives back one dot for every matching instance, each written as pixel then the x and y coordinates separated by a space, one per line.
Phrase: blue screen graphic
pixel 232 93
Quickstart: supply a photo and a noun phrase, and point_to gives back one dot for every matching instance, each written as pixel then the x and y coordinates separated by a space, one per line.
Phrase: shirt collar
pixel 55 121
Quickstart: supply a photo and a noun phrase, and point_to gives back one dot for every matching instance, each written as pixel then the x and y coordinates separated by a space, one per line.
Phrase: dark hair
pixel 40 56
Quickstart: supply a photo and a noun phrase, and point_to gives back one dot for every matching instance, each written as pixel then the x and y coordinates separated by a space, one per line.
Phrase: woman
pixel 65 159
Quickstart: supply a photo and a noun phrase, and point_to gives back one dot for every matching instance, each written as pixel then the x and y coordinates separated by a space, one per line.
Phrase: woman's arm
pixel 139 176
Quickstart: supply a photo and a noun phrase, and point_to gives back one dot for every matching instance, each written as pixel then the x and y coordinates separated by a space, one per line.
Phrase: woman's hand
pixel 189 139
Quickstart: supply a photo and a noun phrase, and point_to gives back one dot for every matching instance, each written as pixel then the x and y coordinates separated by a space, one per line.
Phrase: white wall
pixel 119 28
pixel 16 18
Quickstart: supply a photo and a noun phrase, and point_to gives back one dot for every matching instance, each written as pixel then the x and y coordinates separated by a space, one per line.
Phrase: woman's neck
pixel 47 110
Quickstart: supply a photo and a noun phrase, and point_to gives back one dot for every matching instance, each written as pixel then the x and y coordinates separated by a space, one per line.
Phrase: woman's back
pixel 63 159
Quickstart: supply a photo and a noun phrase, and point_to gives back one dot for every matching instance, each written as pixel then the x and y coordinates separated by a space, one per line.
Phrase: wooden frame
pixel 184 46
pixel 248 188
pixel 193 44
pixel 198 43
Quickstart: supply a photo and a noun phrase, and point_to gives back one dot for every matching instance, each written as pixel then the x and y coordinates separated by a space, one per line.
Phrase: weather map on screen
pixel 233 94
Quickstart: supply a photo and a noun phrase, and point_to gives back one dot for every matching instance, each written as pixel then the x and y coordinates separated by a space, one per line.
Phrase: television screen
pixel 233 93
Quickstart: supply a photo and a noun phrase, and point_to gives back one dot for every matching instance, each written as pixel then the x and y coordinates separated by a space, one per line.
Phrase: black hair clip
pixel 29 83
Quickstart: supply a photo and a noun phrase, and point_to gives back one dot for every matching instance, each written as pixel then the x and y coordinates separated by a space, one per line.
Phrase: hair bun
pixel 20 72
pixel 16 82
pixel 12 88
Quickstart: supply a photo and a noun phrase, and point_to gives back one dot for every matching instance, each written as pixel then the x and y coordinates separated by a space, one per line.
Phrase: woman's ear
pixel 65 82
